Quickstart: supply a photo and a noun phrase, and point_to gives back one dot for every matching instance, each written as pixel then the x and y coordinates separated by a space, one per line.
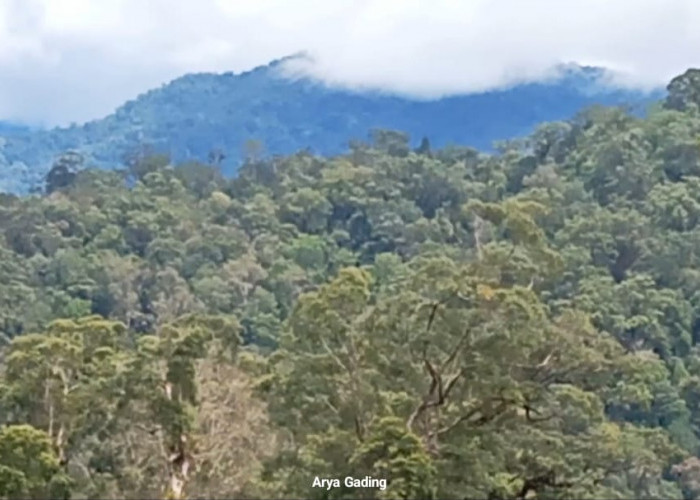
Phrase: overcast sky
pixel 73 60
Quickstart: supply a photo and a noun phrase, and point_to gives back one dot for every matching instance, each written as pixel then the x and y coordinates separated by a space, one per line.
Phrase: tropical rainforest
pixel 523 324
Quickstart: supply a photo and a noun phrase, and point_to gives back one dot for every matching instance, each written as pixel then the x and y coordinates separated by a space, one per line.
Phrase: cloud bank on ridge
pixel 65 61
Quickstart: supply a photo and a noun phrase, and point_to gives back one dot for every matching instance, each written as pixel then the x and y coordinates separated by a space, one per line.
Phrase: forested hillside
pixel 517 325
pixel 198 115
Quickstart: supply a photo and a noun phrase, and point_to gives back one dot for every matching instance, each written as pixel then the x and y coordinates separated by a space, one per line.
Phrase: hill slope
pixel 195 114
pixel 531 316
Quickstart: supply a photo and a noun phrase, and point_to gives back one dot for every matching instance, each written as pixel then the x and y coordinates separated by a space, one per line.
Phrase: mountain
pixel 11 128
pixel 197 113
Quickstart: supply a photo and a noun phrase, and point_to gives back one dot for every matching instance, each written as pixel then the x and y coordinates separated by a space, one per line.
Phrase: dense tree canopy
pixel 518 325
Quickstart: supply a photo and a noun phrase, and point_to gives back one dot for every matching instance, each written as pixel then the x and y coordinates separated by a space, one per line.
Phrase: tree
pixel 29 468
pixel 684 91
pixel 144 160
pixel 344 363
pixel 392 142
pixel 424 148
pixel 63 172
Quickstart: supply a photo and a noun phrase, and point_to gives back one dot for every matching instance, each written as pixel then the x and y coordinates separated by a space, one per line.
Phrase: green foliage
pixel 517 325
pixel 392 451
pixel 29 468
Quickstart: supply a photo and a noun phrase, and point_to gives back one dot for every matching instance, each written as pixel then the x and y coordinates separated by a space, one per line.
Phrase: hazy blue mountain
pixel 11 128
pixel 197 113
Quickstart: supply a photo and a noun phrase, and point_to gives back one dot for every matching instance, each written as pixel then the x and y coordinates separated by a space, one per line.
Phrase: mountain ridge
pixel 195 114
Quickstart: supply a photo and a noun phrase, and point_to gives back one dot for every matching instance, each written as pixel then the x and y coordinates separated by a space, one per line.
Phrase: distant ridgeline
pixel 9 128
pixel 198 114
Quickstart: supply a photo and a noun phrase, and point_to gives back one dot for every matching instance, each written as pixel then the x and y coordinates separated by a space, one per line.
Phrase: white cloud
pixel 72 60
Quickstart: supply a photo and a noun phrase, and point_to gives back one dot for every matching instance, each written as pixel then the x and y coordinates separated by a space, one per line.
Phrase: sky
pixel 64 61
